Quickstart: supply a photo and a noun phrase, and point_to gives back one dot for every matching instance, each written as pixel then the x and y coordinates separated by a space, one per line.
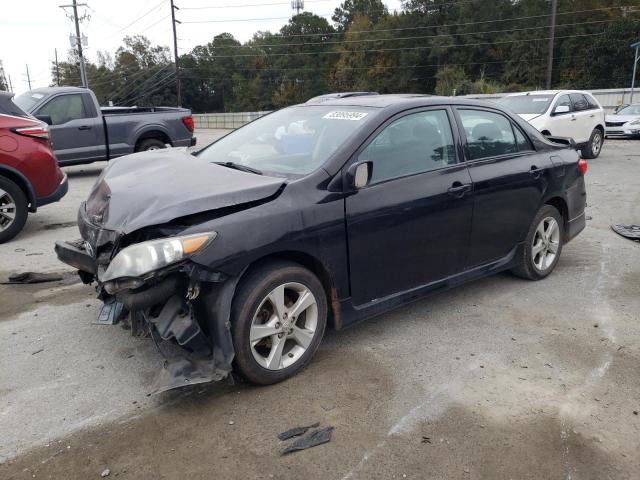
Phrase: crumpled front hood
pixel 158 186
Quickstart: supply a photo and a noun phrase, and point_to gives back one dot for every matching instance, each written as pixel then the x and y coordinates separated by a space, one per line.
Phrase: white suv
pixel 563 113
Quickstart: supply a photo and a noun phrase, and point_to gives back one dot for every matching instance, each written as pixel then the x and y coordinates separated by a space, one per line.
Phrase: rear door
pixel 584 118
pixel 509 181
pixel 410 225
pixel 75 128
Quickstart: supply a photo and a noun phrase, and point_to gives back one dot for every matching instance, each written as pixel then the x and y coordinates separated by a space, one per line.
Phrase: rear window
pixel 7 107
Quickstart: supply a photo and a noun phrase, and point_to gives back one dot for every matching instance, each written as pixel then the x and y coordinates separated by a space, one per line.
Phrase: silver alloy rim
pixel 283 326
pixel 7 210
pixel 546 242
pixel 597 143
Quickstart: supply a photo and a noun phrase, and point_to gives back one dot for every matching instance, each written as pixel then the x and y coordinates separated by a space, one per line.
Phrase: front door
pixel 410 225
pixel 74 131
pixel 509 181
pixel 563 124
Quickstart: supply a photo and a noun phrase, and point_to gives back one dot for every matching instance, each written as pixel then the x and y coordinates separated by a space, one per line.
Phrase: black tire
pixel 594 146
pixel 150 144
pixel 528 268
pixel 249 297
pixel 12 193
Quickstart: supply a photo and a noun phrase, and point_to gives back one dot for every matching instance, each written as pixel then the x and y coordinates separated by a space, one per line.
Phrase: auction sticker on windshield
pixel 345 115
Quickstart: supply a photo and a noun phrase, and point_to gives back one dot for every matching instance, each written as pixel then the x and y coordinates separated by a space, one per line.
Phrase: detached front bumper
pixel 76 255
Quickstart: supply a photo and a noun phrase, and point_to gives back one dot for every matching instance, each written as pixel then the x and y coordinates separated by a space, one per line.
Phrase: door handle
pixel 592 115
pixel 84 127
pixel 458 189
pixel 535 171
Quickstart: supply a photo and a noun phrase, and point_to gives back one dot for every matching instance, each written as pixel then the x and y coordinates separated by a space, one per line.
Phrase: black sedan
pixel 320 214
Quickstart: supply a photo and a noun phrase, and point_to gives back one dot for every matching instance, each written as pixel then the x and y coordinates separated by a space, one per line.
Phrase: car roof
pixel 48 90
pixel 407 100
pixel 546 92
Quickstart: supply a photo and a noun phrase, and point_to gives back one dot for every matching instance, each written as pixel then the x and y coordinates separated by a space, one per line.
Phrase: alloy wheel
pixel 546 242
pixel 596 144
pixel 7 210
pixel 284 326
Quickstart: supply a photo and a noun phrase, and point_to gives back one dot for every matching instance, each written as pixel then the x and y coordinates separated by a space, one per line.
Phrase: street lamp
pixel 635 64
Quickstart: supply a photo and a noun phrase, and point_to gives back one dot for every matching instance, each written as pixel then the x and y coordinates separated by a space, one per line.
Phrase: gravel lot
pixel 501 378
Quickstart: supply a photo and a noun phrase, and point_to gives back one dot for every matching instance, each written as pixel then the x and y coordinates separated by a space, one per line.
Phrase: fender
pixel 135 136
pixel 23 182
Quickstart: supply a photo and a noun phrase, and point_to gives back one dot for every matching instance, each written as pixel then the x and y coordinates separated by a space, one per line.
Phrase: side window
pixel 565 101
pixel 593 105
pixel 488 134
pixel 524 144
pixel 64 108
pixel 412 144
pixel 579 102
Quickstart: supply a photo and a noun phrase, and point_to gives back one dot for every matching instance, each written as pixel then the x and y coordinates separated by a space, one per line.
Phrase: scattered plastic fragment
pixel 313 439
pixel 33 277
pixel 632 232
pixel 296 431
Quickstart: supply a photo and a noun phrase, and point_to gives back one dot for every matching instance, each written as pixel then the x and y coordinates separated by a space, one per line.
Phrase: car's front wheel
pixel 543 245
pixel 278 319
pixel 594 146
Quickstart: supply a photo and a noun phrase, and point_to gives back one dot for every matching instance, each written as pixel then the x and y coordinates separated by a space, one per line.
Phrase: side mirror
pixel 359 174
pixel 561 109
pixel 45 118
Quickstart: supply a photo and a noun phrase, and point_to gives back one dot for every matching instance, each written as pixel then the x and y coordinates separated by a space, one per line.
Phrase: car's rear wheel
pixel 278 319
pixel 543 245
pixel 13 209
pixel 150 144
pixel 594 146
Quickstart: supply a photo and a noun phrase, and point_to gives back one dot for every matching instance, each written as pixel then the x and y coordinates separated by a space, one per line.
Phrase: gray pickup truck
pixel 84 132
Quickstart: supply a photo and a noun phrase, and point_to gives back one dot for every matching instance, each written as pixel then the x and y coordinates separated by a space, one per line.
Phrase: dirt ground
pixel 498 379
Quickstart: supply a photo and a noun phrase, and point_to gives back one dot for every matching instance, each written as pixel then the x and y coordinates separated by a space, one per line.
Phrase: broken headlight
pixel 144 257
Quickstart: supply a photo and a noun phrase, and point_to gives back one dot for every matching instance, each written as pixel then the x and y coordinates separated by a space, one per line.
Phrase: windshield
pixel 27 100
pixel 629 110
pixel 528 104
pixel 291 142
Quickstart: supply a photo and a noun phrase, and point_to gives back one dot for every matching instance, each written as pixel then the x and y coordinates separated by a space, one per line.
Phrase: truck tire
pixel 150 144
pixel 13 209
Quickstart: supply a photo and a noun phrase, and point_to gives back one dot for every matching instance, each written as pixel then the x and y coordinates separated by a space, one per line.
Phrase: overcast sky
pixel 31 30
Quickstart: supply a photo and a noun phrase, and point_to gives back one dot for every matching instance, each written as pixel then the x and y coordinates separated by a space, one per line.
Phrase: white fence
pixel 608 98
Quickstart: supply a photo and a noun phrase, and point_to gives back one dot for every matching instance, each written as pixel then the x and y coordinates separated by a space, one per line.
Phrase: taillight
pixel 582 166
pixel 36 131
pixel 188 122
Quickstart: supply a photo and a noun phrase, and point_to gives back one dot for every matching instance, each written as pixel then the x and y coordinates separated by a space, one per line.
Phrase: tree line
pixel 430 46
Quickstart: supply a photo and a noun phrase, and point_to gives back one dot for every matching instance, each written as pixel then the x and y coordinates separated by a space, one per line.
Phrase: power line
pixel 418 37
pixel 248 5
pixel 421 47
pixel 161 84
pixel 142 16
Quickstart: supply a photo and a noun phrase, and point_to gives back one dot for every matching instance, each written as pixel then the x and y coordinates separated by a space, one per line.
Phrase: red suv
pixel 29 173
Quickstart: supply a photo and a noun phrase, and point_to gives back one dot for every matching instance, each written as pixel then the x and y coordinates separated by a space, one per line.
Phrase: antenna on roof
pixel 297 5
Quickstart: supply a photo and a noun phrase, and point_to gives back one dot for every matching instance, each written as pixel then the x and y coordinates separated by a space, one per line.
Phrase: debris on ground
pixel 426 439
pixel 32 277
pixel 105 473
pixel 296 431
pixel 632 232
pixel 313 439
pixel 37 351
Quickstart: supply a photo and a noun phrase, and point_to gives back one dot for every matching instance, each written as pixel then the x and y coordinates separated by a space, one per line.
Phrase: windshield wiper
pixel 239 166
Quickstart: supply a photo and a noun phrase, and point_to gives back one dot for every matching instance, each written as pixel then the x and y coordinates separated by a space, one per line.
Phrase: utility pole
pixel 57 68
pixel 636 58
pixel 83 73
pixel 175 51
pixel 552 35
pixel 10 84
pixel 297 5
pixel 28 77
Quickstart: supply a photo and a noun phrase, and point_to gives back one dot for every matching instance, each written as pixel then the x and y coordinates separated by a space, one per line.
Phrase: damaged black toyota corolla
pixel 322 213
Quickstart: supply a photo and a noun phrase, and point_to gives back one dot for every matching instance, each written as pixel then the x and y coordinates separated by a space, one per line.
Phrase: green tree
pixel 451 80
pixel 345 14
